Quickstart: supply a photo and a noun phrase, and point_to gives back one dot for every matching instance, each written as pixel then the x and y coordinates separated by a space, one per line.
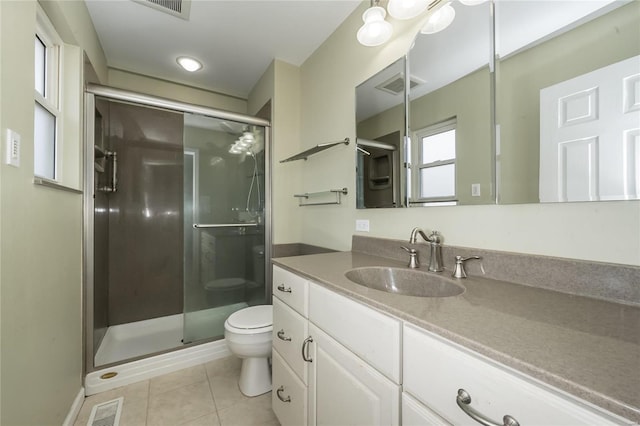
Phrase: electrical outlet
pixel 475 189
pixel 362 225
pixel 12 145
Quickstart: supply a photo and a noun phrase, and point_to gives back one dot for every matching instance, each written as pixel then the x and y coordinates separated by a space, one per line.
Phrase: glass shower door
pixel 224 222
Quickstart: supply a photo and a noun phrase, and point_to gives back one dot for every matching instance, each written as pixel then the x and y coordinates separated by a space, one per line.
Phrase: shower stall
pixel 177 223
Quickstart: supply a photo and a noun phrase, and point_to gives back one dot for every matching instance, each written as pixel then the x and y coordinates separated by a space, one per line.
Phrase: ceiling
pixel 236 40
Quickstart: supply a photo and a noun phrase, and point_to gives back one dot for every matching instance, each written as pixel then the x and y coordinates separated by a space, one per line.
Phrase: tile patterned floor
pixel 204 395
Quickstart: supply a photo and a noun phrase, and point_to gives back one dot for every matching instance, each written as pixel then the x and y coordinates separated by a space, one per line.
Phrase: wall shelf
pixel 332 196
pixel 320 147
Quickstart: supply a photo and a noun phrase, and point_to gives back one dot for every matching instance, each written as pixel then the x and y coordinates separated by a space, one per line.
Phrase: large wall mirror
pixel 555 117
pixel 447 116
pixel 568 100
pixel 451 110
pixel 380 130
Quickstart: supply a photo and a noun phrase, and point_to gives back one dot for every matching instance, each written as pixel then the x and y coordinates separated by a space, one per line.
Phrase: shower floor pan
pixel 146 337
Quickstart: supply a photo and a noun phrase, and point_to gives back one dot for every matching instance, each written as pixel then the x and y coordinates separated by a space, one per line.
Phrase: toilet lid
pixel 225 284
pixel 252 317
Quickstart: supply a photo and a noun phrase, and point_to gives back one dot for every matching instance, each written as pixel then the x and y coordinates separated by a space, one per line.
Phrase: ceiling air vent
pixel 179 8
pixel 395 85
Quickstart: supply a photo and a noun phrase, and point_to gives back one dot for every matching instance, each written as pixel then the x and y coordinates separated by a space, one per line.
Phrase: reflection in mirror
pixel 568 100
pixel 380 130
pixel 450 111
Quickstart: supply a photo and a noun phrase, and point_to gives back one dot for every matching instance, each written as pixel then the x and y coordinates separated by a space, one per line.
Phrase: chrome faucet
pixel 435 241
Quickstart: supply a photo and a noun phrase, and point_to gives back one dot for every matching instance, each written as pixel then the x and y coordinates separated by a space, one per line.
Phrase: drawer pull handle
pixel 283 289
pixel 281 389
pixel 281 336
pixel 464 399
pixel 305 349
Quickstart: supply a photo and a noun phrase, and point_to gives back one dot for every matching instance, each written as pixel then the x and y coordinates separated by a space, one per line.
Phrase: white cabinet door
pixel 345 390
pixel 370 334
pixel 416 414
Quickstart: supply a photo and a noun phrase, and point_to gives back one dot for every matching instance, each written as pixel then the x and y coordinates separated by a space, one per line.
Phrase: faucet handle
pixel 413 257
pixel 435 237
pixel 459 272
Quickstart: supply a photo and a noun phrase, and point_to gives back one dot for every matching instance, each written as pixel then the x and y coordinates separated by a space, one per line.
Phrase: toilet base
pixel 255 376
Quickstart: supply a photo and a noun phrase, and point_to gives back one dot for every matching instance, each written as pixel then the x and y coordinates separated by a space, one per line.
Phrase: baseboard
pixel 75 408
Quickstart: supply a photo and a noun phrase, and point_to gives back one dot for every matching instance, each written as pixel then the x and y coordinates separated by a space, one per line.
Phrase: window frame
pixel 51 100
pixel 417 164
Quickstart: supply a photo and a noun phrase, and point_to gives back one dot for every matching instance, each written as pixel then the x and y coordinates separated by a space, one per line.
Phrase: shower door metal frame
pixel 125 96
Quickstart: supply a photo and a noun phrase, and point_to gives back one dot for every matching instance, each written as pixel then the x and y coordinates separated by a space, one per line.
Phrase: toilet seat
pixel 252 320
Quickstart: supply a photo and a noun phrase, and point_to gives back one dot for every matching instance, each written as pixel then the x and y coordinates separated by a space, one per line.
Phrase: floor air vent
pixel 179 8
pixel 106 413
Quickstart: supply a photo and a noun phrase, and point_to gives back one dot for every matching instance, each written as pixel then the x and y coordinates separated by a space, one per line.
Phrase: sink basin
pixel 408 282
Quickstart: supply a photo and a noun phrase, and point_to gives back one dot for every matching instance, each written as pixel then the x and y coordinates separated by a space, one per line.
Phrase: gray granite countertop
pixel 587 347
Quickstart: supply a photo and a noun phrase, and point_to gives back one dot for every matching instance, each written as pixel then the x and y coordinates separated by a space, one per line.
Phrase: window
pixel 434 163
pixel 47 100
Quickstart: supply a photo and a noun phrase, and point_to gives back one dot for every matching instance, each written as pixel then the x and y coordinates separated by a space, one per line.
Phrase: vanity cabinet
pixel 335 361
pixel 436 370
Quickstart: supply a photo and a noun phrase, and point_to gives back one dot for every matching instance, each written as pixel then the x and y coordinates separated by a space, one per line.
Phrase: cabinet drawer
pixel 292 289
pixel 371 335
pixel 289 331
pixel 434 370
pixel 289 396
pixel 416 414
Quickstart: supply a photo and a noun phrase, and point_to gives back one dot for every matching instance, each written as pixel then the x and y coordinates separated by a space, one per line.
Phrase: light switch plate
pixel 362 225
pixel 475 189
pixel 12 144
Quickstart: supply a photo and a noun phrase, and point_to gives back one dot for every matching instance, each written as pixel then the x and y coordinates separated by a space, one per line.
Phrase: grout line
pixel 146 417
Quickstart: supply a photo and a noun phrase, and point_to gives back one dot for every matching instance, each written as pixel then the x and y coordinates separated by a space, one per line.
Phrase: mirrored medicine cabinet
pixel 514 102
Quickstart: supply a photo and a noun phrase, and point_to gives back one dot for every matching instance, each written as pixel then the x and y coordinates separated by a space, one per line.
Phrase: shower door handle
pixel 223 225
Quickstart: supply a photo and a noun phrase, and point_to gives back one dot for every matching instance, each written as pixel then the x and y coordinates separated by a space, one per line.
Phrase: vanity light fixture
pixel 189 64
pixel 440 20
pixel 407 9
pixel 375 30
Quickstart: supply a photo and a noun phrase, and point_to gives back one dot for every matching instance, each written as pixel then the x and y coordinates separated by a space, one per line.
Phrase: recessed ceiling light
pixel 189 64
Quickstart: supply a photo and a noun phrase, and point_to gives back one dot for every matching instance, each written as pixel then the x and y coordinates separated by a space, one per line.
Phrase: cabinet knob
pixel 464 402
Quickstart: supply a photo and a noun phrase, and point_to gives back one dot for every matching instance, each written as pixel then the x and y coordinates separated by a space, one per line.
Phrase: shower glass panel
pixel 224 217
pixel 154 282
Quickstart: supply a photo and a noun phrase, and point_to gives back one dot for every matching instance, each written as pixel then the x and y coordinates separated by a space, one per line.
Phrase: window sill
pixel 54 185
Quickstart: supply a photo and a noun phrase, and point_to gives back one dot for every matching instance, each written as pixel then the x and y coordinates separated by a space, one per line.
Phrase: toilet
pixel 248 336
